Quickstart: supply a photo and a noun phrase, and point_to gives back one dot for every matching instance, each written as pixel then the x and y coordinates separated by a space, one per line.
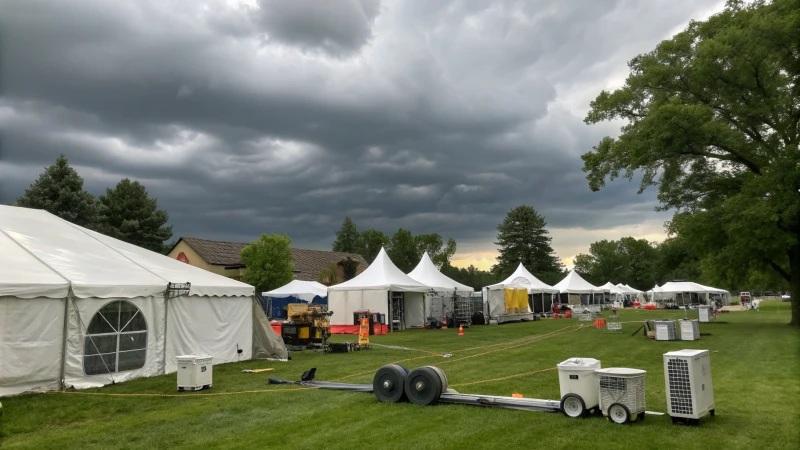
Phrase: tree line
pixel 125 212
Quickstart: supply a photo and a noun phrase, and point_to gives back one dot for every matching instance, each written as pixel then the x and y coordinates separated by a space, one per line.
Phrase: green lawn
pixel 754 360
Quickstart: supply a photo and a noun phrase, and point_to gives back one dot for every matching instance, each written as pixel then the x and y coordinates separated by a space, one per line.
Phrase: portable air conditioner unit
pixel 621 394
pixel 194 372
pixel 690 393
pixel 704 313
pixel 690 330
pixel 665 330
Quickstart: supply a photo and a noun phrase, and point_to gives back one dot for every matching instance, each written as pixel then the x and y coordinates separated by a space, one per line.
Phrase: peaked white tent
pixel 575 284
pixel 426 273
pixel 441 299
pixel 381 288
pixel 614 290
pixel 81 309
pixel 494 295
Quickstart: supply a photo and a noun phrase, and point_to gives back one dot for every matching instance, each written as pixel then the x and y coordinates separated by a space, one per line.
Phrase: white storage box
pixel 690 330
pixel 577 377
pixel 665 330
pixel 690 393
pixel 621 393
pixel 194 372
pixel 704 313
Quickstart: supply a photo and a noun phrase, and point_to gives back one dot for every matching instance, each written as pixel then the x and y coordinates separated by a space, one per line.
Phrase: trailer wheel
pixel 389 383
pixel 572 405
pixel 619 413
pixel 423 386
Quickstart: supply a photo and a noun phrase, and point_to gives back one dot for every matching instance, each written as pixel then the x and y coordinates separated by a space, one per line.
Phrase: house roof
pixel 307 263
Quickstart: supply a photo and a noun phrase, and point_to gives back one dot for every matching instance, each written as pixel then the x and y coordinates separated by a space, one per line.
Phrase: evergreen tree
pixel 347 237
pixel 523 238
pixel 127 213
pixel 59 191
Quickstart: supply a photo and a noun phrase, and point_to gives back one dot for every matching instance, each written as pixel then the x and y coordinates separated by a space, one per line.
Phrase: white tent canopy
pixel 81 309
pixel 426 273
pixel 304 290
pixel 671 289
pixel 381 274
pixel 614 289
pixel 575 284
pixel 371 289
pixel 523 278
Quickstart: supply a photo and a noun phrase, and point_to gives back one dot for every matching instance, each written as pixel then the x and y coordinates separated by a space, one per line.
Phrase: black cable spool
pixel 389 383
pixel 424 385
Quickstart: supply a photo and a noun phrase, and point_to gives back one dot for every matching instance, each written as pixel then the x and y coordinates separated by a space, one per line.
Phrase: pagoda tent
pixel 575 288
pixel 381 288
pixel 494 296
pixel 616 293
pixel 80 309
pixel 296 291
pixel 444 288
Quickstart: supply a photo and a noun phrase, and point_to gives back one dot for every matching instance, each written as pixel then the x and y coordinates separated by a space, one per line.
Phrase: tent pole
pixel 391 312
pixel 164 357
pixel 63 381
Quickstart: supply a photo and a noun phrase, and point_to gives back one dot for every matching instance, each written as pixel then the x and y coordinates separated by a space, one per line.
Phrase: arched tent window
pixel 116 339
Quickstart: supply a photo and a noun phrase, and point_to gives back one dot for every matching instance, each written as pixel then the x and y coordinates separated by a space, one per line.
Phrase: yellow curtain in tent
pixel 511 300
pixel 522 300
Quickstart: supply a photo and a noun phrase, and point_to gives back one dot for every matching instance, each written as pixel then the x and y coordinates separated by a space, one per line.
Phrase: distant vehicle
pixel 745 297
pixel 786 297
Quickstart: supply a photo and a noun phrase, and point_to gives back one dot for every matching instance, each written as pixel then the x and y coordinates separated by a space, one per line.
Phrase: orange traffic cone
pixel 460 330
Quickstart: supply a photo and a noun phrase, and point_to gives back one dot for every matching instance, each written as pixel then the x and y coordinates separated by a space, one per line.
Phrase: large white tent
pixel 684 292
pixel 381 288
pixel 573 283
pixel 615 291
pixel 81 309
pixel 443 287
pixel 494 295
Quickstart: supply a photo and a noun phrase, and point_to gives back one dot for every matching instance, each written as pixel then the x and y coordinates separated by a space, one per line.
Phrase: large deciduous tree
pixel 711 118
pixel 347 237
pixel 268 262
pixel 403 250
pixel 370 244
pixel 129 214
pixel 628 260
pixel 523 238
pixel 439 252
pixel 59 191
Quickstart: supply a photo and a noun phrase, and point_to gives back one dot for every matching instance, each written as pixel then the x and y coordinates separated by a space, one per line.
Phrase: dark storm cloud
pixel 243 117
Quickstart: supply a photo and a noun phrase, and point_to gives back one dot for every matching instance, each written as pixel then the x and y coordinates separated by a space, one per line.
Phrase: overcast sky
pixel 244 117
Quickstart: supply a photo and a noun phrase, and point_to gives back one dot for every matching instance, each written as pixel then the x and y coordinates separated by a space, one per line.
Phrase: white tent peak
pixel 427 274
pixel 614 289
pixel 573 283
pixel 304 290
pixel 381 274
pixel 522 277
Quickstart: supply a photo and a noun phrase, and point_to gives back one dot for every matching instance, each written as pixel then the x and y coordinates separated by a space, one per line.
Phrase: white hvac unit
pixel 621 394
pixel 665 330
pixel 194 372
pixel 690 393
pixel 578 382
pixel 690 330
pixel 704 313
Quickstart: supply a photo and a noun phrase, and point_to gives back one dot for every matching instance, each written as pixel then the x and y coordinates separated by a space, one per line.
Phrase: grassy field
pixel 754 360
